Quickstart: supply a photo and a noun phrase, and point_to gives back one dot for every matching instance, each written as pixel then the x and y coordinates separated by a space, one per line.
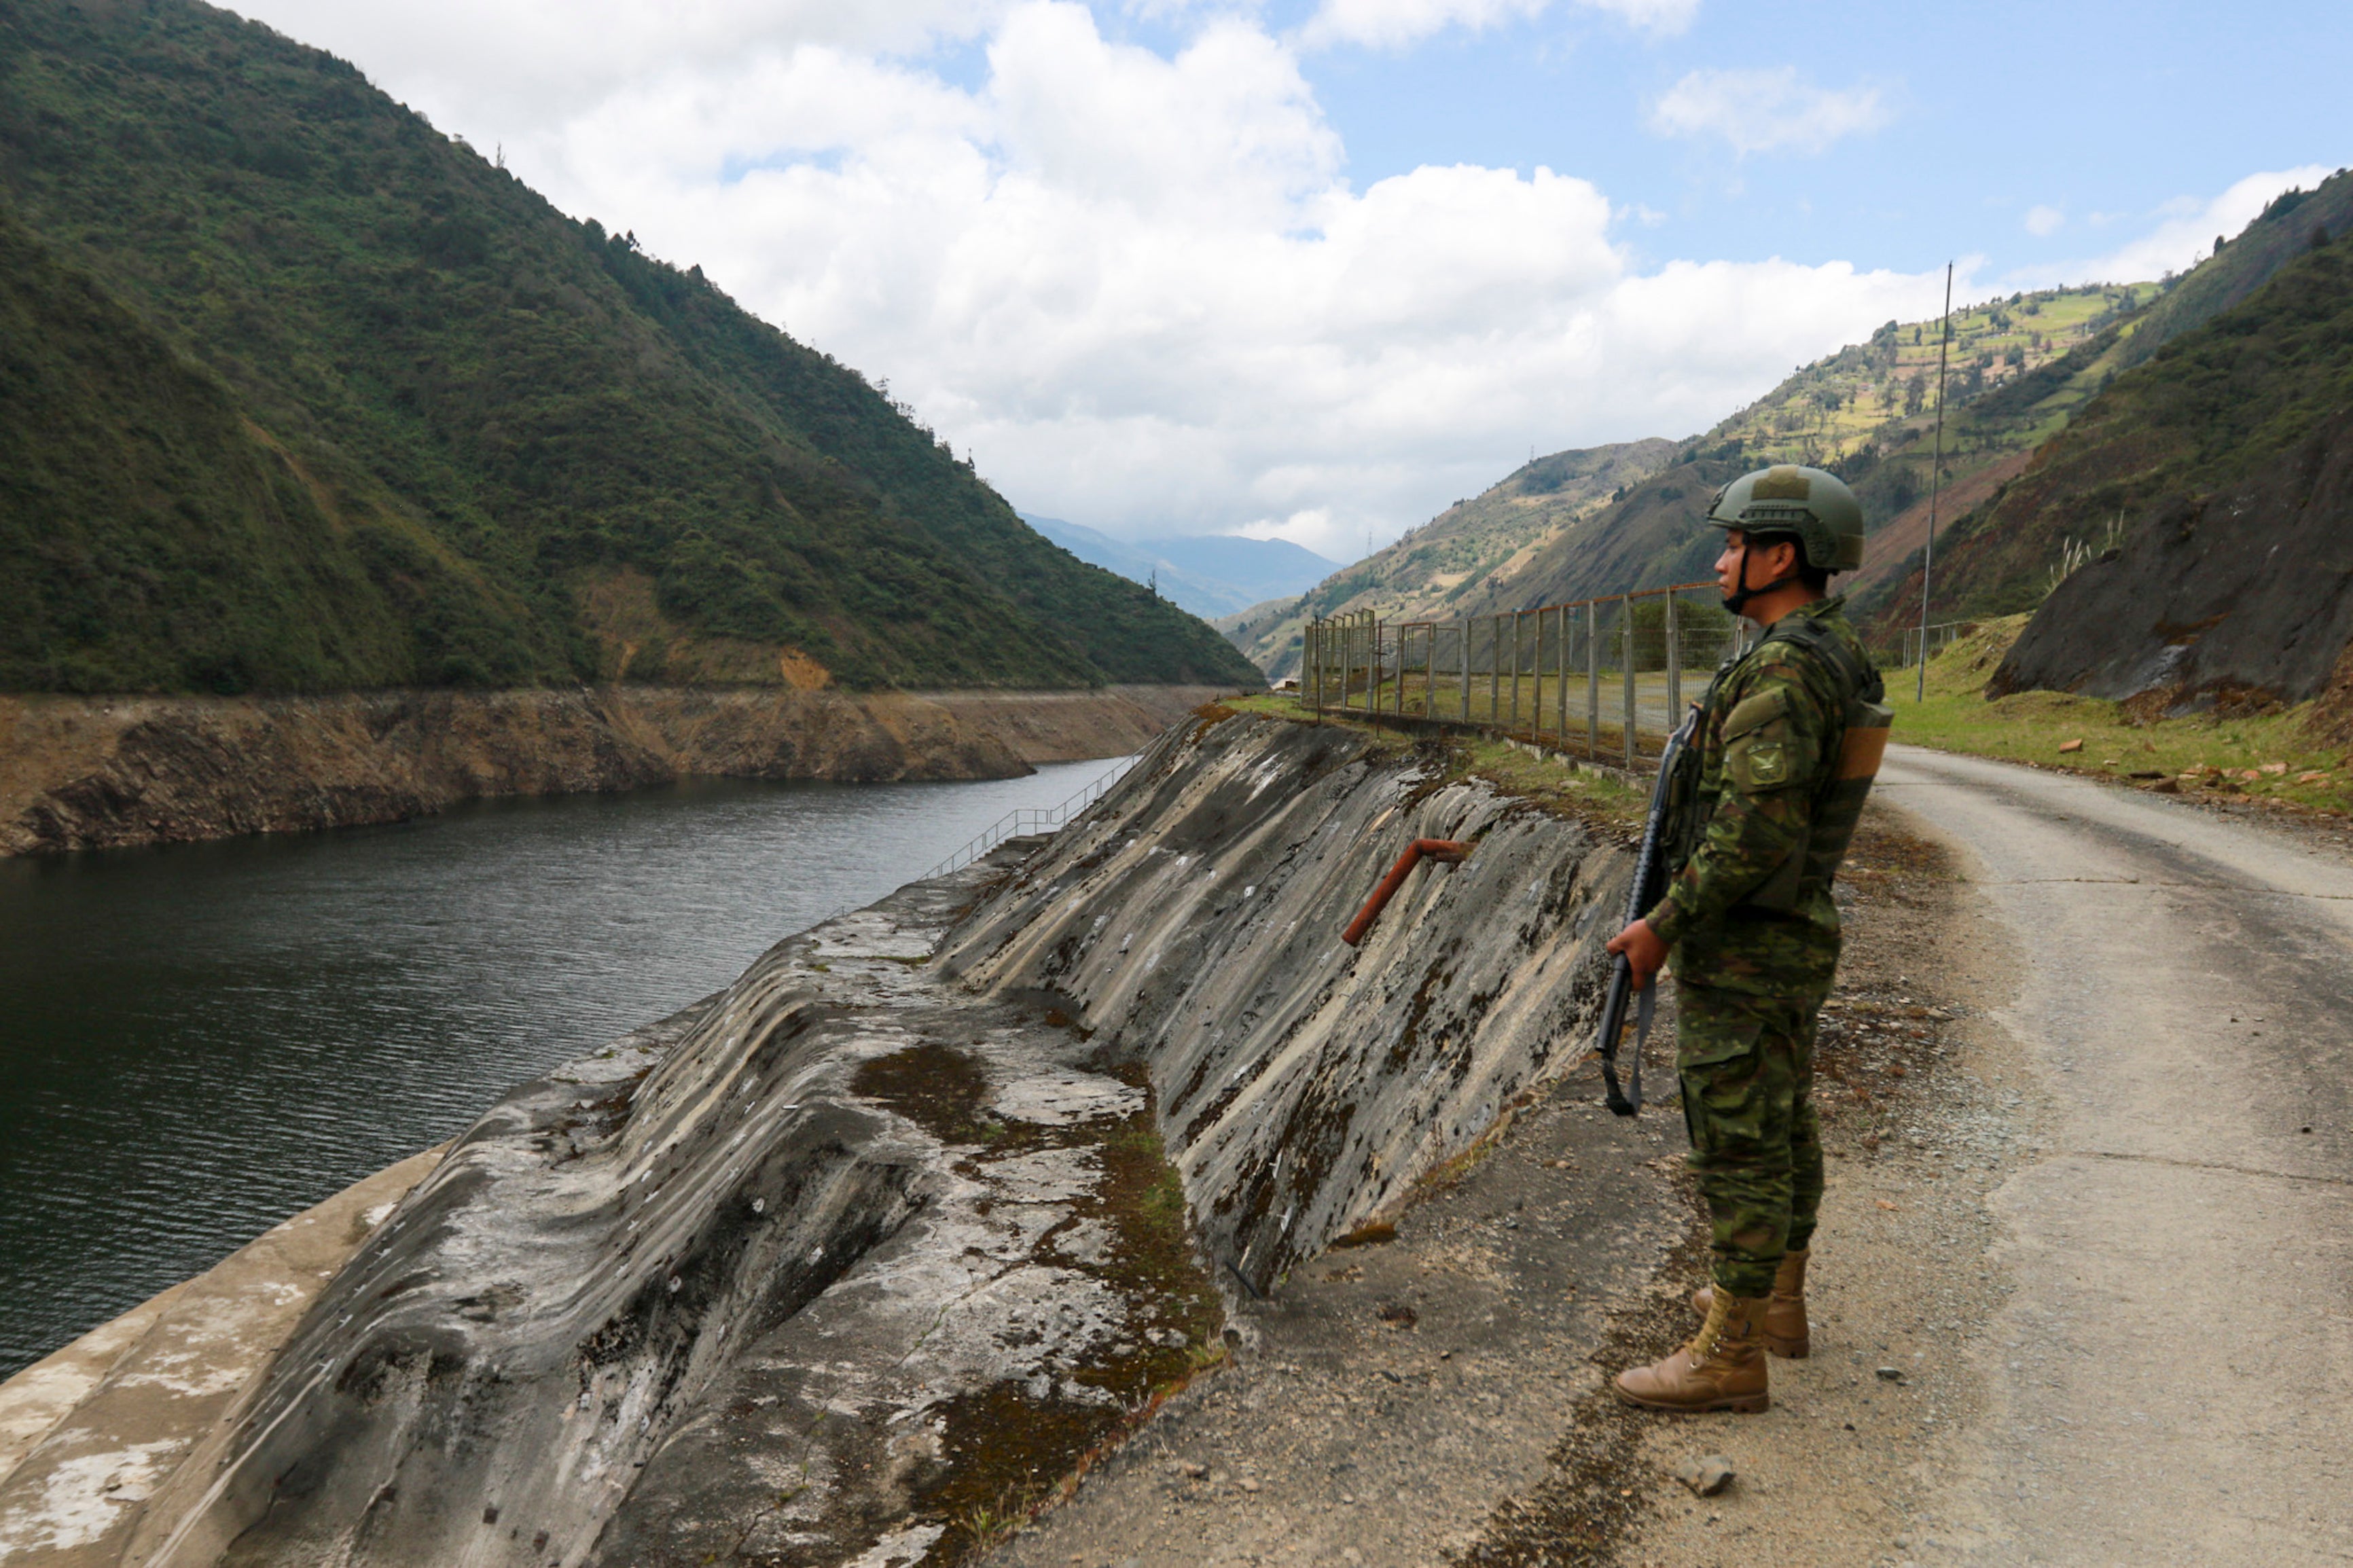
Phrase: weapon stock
pixel 1649 879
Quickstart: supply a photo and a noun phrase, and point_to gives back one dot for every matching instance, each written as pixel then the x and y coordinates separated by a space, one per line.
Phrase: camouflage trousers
pixel 1746 1064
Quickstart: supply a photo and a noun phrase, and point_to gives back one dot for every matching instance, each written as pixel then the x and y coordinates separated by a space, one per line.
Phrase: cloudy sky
pixel 1316 268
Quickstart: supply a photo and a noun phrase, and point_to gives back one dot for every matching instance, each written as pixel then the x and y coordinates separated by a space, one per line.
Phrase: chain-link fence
pixel 1935 639
pixel 1602 678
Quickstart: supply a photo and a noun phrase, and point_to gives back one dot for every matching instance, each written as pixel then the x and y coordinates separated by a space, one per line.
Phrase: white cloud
pixel 505 65
pixel 2181 233
pixel 1652 16
pixel 1760 111
pixel 1394 24
pixel 2042 221
pixel 2186 226
pixel 1140 287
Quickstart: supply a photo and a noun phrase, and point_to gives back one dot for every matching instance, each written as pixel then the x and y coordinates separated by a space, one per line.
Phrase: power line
pixel 1936 473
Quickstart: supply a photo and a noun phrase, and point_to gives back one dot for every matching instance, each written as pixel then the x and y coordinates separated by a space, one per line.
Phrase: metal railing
pixel 1028 820
pixel 1602 676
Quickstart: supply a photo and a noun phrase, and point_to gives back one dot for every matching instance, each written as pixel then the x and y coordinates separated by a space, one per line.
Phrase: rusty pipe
pixel 1447 849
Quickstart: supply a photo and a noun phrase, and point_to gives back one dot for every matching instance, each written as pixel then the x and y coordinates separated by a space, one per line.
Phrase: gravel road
pixel 2167 1377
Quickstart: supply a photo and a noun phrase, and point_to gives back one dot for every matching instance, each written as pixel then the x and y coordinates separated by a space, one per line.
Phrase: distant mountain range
pixel 1208 573
pixel 1449 563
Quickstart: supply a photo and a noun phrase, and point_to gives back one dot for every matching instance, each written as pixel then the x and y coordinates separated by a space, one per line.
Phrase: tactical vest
pixel 1837 803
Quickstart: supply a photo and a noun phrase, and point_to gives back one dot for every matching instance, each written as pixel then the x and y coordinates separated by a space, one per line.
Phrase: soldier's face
pixel 1765 563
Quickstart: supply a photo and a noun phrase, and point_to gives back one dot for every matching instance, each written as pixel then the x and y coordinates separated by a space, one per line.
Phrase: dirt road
pixel 2168 1378
pixel 2082 1288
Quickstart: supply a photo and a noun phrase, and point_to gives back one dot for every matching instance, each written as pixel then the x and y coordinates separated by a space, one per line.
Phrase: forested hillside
pixel 303 394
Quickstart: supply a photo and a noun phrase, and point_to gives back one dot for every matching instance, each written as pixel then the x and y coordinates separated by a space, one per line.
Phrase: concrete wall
pixel 1193 919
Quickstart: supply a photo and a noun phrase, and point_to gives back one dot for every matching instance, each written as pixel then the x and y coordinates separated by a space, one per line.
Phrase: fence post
pixel 1537 702
pixel 1593 678
pixel 1627 611
pixel 1675 665
pixel 1356 639
pixel 1463 657
pixel 1560 676
pixel 1309 668
pixel 1513 723
pixel 1495 666
pixel 1404 648
pixel 1349 673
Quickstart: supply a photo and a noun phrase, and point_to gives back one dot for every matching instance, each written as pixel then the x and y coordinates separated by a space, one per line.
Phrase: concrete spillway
pixel 846 1263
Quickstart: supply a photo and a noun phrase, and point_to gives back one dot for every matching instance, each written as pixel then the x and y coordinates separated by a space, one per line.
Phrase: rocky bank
pixel 856 1261
pixel 104 772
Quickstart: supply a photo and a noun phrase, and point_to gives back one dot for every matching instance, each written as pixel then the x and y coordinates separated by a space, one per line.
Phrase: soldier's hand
pixel 1645 954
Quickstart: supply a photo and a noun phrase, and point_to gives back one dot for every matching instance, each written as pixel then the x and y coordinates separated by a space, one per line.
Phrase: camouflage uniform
pixel 1755 931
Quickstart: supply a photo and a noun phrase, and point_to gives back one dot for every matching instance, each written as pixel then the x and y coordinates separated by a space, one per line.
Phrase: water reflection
pixel 198 1041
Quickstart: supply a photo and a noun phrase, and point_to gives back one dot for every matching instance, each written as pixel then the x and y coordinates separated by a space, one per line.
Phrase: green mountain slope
pixel 2020 369
pixel 2002 556
pixel 2278 234
pixel 536 454
pixel 154 540
pixel 1866 411
pixel 2194 520
pixel 1445 567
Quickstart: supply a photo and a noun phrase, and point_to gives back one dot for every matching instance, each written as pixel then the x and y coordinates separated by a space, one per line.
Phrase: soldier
pixel 1789 738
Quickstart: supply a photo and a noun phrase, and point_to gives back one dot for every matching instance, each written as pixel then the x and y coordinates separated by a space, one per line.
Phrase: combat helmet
pixel 1814 508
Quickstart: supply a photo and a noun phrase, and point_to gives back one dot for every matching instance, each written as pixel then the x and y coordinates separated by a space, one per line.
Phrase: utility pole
pixel 1935 474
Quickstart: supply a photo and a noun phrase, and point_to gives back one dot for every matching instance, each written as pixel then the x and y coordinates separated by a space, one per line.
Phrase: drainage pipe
pixel 1446 849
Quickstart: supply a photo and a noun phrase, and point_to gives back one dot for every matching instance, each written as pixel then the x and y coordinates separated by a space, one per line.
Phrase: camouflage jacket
pixel 1746 911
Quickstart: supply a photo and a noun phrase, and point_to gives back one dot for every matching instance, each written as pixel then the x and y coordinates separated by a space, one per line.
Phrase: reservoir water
pixel 199 1040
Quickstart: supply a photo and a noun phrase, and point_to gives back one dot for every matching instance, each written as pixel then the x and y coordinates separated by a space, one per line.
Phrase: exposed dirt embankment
pixel 2238 598
pixel 100 772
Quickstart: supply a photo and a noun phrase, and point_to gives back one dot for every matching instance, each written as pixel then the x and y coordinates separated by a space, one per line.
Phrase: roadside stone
pixel 1891 1374
pixel 1706 1475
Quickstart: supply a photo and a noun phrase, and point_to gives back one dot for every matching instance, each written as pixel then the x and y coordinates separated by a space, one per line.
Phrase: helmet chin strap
pixel 1738 600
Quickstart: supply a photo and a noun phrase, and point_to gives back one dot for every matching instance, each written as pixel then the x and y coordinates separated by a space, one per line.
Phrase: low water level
pixel 199 1040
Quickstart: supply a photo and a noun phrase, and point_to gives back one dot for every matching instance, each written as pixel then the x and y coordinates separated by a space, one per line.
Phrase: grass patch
pixel 2271 757
pixel 1603 799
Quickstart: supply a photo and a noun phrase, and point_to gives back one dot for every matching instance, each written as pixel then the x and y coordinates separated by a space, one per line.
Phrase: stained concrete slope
pixel 2167 1381
pixel 130 1410
pixel 1194 920
pixel 843 1264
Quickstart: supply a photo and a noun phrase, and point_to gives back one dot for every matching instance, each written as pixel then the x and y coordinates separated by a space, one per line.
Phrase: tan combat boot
pixel 1785 1309
pixel 1723 1368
